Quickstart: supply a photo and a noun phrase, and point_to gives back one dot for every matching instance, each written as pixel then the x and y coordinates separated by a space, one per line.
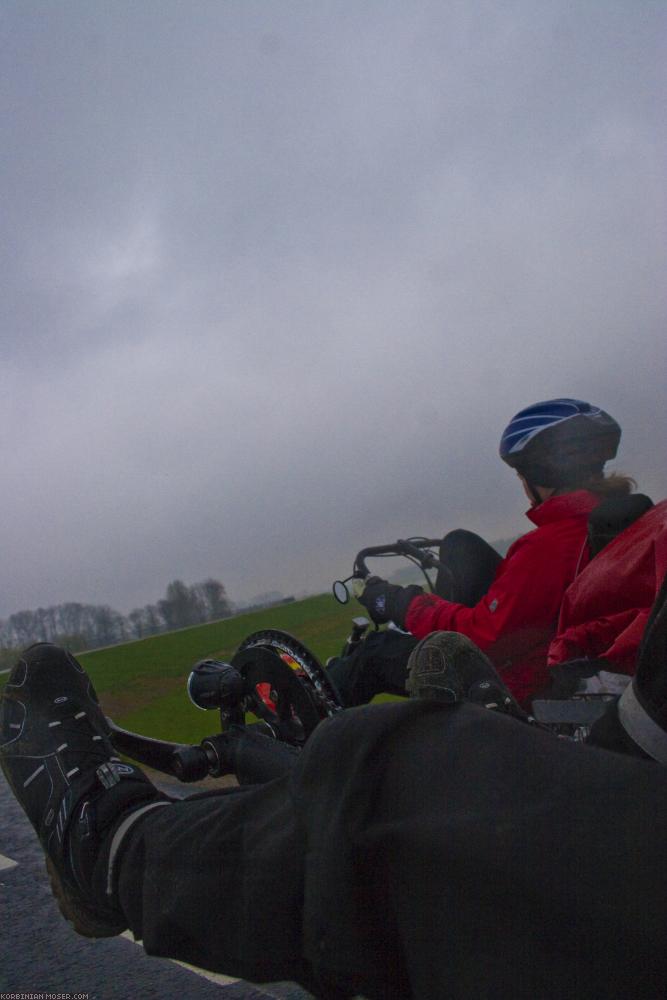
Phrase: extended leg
pixel 378 664
pixel 424 850
pixel 416 849
pixel 255 758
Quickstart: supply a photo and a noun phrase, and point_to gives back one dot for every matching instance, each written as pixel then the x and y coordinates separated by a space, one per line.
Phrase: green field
pixel 141 684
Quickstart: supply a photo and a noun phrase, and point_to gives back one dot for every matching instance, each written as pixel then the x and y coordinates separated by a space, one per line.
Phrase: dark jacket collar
pixel 580 502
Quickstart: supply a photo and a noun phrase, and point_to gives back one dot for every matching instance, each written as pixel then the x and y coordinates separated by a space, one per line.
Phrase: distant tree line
pixel 89 626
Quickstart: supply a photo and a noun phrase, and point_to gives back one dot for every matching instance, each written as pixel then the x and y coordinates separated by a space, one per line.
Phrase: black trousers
pixel 418 850
pixel 379 663
pixel 471 566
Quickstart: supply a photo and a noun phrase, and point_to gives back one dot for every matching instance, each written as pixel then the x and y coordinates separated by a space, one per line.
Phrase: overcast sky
pixel 276 275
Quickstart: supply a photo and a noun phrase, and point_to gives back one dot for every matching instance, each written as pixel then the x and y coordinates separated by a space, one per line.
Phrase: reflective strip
pixel 640 727
pixel 33 776
pixel 121 832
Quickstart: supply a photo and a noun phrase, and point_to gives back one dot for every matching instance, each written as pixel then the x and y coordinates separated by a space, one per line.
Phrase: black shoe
pixel 449 667
pixel 59 762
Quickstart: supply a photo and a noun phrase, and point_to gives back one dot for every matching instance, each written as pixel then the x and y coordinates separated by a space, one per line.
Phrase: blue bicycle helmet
pixel 560 442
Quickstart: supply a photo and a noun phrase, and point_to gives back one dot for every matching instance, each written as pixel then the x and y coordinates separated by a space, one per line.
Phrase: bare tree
pixel 213 598
pixel 180 607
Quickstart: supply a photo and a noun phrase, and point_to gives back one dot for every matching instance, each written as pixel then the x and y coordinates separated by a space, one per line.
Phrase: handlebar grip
pixel 401 547
pixel 190 763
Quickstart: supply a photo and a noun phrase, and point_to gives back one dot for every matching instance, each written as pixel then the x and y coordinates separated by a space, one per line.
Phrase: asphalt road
pixel 39 952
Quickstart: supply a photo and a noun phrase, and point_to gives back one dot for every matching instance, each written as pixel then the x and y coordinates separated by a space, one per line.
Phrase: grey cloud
pixel 277 276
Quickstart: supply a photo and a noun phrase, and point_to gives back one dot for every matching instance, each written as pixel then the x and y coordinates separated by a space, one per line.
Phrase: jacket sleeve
pixel 524 597
pixel 614 637
pixel 599 638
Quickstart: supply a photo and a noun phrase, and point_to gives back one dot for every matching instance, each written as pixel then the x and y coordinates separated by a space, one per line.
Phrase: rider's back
pixel 605 609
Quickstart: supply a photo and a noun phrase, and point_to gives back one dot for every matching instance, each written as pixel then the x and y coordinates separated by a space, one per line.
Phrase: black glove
pixel 386 602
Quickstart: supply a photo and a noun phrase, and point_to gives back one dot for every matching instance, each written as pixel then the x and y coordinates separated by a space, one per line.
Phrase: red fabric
pixel 516 619
pixel 605 611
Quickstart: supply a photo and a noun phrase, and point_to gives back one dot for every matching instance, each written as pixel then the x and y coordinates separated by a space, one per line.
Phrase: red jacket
pixel 605 611
pixel 516 619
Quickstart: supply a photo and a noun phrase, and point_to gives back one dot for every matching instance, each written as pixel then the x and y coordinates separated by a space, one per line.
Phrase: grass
pixel 142 684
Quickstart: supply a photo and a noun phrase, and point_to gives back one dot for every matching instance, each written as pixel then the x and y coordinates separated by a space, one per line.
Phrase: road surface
pixel 39 952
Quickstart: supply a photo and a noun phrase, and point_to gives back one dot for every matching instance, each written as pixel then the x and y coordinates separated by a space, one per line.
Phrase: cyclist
pixel 508 607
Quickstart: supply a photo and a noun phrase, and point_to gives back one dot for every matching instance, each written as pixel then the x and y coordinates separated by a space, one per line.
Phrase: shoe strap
pixel 111 772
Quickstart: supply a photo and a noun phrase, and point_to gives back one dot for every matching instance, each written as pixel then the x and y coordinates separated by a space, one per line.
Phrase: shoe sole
pixel 75 910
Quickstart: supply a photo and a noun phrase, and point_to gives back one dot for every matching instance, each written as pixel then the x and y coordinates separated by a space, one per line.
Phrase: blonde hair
pixel 616 484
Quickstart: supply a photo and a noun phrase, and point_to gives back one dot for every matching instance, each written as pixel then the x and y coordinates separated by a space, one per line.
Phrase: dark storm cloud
pixel 277 276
